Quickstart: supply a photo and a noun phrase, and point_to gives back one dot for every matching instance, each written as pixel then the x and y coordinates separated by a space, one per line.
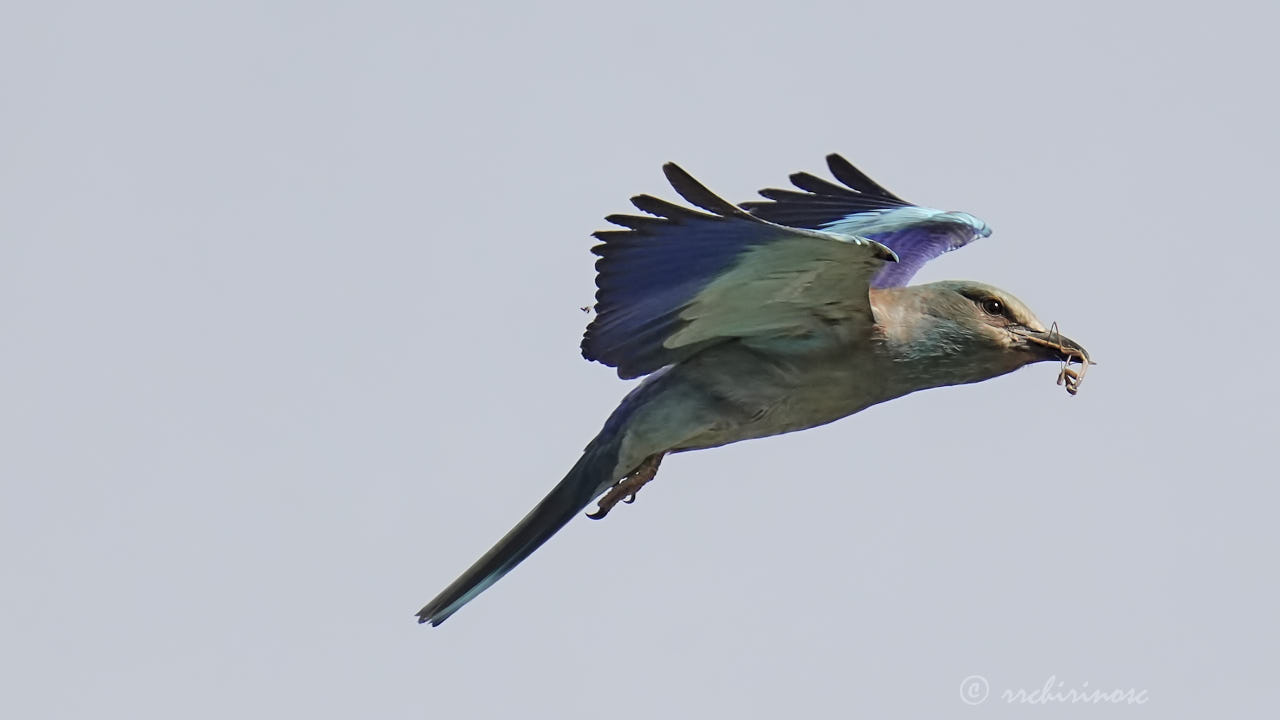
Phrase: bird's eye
pixel 992 306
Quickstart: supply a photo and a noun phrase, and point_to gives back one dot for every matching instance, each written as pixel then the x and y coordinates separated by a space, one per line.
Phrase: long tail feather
pixel 591 476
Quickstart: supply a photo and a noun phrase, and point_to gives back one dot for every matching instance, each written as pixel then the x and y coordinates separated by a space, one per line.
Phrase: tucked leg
pixel 627 487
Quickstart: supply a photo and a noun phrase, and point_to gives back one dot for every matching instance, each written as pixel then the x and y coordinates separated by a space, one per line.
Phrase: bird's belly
pixel 819 399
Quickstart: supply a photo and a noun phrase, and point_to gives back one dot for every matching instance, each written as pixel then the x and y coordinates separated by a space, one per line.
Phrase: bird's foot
pixel 626 488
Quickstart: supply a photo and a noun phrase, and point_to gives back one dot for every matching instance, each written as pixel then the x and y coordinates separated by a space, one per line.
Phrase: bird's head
pixel 962 332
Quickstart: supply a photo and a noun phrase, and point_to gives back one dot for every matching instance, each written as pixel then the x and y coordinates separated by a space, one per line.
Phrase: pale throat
pixel 921 350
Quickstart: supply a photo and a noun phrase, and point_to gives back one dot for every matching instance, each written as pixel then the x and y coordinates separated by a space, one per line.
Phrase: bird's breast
pixel 784 394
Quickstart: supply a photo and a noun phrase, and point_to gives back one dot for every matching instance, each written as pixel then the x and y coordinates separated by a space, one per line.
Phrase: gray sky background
pixel 289 304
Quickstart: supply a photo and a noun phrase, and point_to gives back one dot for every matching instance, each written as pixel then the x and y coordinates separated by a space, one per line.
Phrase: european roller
pixel 766 318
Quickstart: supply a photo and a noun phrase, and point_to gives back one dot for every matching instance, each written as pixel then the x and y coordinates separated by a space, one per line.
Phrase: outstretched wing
pixel 861 207
pixel 681 280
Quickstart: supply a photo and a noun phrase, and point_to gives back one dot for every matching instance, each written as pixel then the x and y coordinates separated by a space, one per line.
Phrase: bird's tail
pixel 591 476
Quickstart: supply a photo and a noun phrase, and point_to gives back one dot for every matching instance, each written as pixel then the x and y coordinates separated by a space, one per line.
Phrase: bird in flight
pixel 766 318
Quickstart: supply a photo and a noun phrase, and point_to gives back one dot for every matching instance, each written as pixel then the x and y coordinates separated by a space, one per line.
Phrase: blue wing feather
pixel 862 207
pixel 679 280
pixel 646 275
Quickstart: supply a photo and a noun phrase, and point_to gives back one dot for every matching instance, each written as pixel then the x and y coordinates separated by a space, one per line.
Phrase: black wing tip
pixel 659 212
pixel 678 176
pixel 664 209
pixel 696 193
pixel 852 177
pixel 838 166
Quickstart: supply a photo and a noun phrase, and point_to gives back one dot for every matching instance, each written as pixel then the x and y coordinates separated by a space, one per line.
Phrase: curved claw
pixel 627 488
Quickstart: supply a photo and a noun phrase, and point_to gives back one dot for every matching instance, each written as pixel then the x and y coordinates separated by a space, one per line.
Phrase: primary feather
pixel 862 207
pixel 675 283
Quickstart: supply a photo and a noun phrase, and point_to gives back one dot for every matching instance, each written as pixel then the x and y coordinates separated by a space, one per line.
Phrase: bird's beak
pixel 1053 345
